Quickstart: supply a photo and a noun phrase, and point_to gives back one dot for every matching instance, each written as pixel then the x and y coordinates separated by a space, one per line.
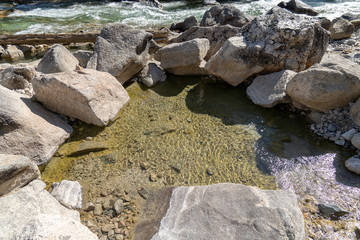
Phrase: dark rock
pixel 325 23
pixel 186 24
pixel 349 16
pixel 222 15
pixel 332 211
pixel 297 6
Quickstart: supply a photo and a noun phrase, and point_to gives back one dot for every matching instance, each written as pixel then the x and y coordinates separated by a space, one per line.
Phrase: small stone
pixel 353 164
pixel 153 177
pixel 340 142
pixel 89 207
pixel 144 165
pixel 106 228
pixel 119 206
pixel 355 140
pixel 117 230
pixel 332 211
pixel 98 209
pixel 349 134
pixel 111 233
pixel 106 204
pixel 103 238
pixel 119 237
pixel 209 171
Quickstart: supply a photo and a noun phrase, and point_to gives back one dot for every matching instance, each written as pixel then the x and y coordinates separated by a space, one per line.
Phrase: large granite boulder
pixel 217 35
pixel 68 193
pixel 152 74
pixel 183 54
pixel 341 28
pixel 32 213
pixel 186 24
pixel 297 6
pixel 223 211
pixel 272 42
pixel 223 15
pixel 269 90
pixel 328 85
pixel 15 172
pixel 17 77
pixel 121 51
pixel 89 95
pixel 57 59
pixel 27 128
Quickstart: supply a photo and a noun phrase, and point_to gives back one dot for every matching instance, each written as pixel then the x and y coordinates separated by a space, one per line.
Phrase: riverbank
pixel 198 130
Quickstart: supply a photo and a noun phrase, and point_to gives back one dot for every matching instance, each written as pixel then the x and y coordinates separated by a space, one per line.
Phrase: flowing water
pixel 74 17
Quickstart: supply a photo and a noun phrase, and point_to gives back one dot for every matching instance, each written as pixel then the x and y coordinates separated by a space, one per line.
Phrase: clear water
pixel 190 132
pixel 74 17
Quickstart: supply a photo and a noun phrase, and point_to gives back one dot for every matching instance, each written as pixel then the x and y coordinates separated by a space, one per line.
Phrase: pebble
pixel 340 142
pixel 89 207
pixel 119 237
pixel 106 228
pixel 153 177
pixel 119 206
pixel 332 211
pixel 98 209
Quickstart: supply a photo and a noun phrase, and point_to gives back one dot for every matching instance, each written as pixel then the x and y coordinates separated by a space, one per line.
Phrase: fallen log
pixel 65 38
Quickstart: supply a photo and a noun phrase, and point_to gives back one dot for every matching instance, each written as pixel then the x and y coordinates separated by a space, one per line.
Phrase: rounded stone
pixel 353 164
pixel 355 140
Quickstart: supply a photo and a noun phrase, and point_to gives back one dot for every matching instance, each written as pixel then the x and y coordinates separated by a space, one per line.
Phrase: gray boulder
pixel 152 74
pixel 217 36
pixel 32 213
pixel 269 90
pixel 353 164
pixel 222 15
pixel 341 28
pixel 26 128
pixel 297 6
pixel 186 24
pixel 355 140
pixel 121 51
pixel 187 53
pixel 15 172
pixel 12 53
pixel 57 59
pixel 68 193
pixel 89 95
pixel 17 77
pixel 231 211
pixel 273 42
pixel 328 85
pixel 83 57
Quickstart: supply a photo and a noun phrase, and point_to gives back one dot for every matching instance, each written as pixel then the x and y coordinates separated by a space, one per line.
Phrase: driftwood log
pixel 66 38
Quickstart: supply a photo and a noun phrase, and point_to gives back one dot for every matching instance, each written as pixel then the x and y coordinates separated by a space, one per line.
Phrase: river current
pixel 91 16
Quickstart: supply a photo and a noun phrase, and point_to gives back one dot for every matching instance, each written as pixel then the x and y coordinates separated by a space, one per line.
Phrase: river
pixel 74 17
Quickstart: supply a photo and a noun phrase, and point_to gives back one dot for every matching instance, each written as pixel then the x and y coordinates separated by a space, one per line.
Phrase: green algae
pixel 186 131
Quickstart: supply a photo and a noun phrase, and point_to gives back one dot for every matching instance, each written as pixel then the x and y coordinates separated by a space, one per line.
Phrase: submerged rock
pixel 15 172
pixel 68 193
pixel 330 84
pixel 353 164
pixel 225 211
pixel 269 90
pixel 32 213
pixel 332 211
pixel 217 36
pixel 27 128
pixel 273 42
pixel 121 51
pixel 187 53
pixel 89 95
pixel 297 6
pixel 223 15
pixel 57 59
